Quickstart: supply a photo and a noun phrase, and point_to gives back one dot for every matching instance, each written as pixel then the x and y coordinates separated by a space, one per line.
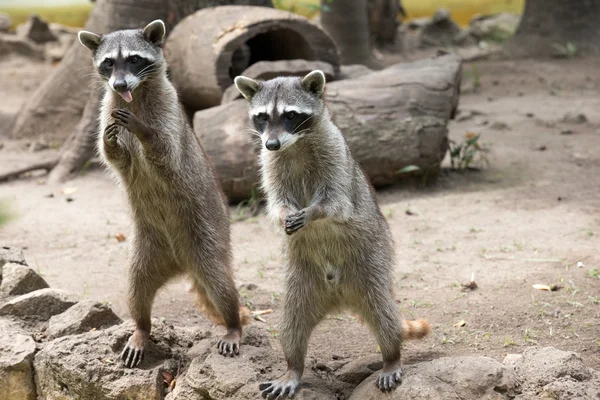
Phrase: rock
pixel 13 44
pixel 18 279
pixel 270 69
pixel 36 29
pixel 555 373
pixel 499 126
pixel 16 370
pixel 494 28
pixel 11 255
pixel 353 71
pixel 441 30
pixel 448 378
pixel 210 376
pixel 82 317
pixel 87 366
pixel 573 118
pixel 40 305
pixel 5 22
pixel 358 370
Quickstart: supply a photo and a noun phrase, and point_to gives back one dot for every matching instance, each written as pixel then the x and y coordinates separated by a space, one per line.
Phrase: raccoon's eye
pixel 108 63
pixel 134 59
pixel 290 115
pixel 263 116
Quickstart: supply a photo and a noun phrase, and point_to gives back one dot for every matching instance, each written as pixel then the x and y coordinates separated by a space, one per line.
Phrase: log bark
pixel 201 53
pixel 390 119
pixel 549 25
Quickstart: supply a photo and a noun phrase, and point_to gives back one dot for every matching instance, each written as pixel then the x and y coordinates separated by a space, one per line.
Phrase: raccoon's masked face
pixel 126 58
pixel 283 110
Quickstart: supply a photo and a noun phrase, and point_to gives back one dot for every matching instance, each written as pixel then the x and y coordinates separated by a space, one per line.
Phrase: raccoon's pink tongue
pixel 126 96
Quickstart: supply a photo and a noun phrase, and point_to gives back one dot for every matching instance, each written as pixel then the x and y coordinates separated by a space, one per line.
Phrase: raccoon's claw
pixel 388 380
pixel 125 119
pixel 133 353
pixel 284 387
pixel 295 221
pixel 229 345
pixel 110 134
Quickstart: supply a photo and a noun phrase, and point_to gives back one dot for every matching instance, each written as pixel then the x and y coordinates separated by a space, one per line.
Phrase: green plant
pixel 249 207
pixel 567 50
pixel 469 154
pixel 6 214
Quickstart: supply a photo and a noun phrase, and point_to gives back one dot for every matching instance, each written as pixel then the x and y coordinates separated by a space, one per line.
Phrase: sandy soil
pixel 527 219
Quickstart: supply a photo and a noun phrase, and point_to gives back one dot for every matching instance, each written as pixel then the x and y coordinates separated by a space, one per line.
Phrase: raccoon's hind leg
pixel 151 267
pixel 220 302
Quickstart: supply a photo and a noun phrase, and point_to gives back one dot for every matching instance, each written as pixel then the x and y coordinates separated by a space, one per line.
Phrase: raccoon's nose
pixel 273 144
pixel 120 85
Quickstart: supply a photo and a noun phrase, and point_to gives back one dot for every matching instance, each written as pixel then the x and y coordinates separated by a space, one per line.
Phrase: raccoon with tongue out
pixel 180 216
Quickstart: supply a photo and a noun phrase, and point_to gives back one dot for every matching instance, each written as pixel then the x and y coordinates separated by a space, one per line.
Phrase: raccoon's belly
pixel 323 243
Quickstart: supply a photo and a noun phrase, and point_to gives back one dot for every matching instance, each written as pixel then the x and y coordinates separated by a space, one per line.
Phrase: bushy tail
pixel 415 329
pixel 208 308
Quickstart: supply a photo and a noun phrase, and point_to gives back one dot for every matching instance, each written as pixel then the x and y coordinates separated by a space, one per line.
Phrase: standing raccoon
pixel 181 219
pixel 339 249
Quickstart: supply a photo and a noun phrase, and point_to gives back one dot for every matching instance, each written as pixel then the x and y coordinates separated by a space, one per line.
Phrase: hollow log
pixel 390 119
pixel 205 56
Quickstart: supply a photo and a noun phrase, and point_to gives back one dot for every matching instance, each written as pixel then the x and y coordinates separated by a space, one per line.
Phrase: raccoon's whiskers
pixel 302 123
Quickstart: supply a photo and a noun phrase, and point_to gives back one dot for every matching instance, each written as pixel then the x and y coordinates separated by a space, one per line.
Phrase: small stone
pixel 41 304
pixel 18 279
pixel 566 132
pixel 82 317
pixel 16 370
pixel 5 22
pixel 573 118
pixel 38 146
pixel 499 126
pixel 36 29
pixel 11 255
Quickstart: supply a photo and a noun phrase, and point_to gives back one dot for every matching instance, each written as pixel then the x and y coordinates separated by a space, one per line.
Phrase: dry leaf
pixel 167 377
pixel 120 237
pixel 549 288
pixel 69 190
pixel 460 323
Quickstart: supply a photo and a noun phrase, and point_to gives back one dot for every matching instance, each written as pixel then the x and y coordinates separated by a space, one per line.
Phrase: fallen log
pixel 205 56
pixel 390 119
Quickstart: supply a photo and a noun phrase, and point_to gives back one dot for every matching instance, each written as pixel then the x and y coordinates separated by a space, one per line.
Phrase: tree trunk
pixel 548 26
pixel 348 25
pixel 201 53
pixel 390 119
pixel 54 111
pixel 383 21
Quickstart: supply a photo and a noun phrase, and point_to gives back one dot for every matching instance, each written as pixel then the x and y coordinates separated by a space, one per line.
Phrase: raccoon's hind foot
pixel 133 353
pixel 229 345
pixel 279 389
pixel 389 378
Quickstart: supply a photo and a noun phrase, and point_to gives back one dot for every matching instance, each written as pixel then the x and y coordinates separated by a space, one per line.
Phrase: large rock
pixel 358 370
pixel 265 70
pixel 82 317
pixel 455 378
pixel 210 376
pixel 16 370
pixel 549 373
pixel 495 28
pixel 5 22
pixel 18 279
pixel 87 366
pixel 13 44
pixel 39 305
pixel 36 29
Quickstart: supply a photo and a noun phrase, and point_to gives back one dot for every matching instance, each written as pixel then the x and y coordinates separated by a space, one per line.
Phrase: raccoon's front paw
pixel 110 134
pixel 133 353
pixel 294 221
pixel 126 119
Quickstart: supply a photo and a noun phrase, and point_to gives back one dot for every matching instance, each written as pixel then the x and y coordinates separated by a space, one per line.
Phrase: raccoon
pixel 180 215
pixel 338 252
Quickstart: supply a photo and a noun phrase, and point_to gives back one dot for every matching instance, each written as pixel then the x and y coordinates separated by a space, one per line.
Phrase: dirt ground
pixel 529 218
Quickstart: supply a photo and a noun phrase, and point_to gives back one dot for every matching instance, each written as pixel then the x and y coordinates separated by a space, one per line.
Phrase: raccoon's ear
pixel 155 32
pixel 314 82
pixel 89 40
pixel 247 87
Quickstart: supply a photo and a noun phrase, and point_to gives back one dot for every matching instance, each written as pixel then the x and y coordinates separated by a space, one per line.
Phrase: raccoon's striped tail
pixel 415 329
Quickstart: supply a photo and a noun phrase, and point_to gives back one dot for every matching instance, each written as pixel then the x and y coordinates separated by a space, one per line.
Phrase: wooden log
pixel 205 56
pixel 390 119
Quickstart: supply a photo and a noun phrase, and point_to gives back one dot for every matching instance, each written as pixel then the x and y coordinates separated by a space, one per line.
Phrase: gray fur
pixel 338 252
pixel 180 216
